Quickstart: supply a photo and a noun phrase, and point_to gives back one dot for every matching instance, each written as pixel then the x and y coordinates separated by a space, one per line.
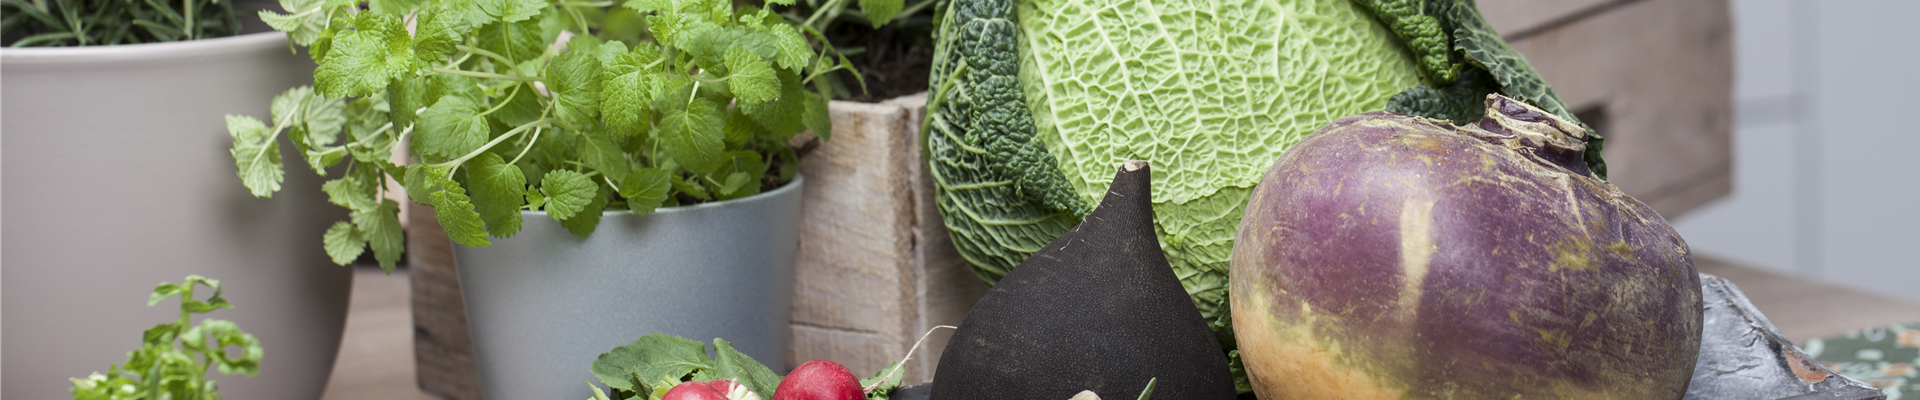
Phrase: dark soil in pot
pixel 894 59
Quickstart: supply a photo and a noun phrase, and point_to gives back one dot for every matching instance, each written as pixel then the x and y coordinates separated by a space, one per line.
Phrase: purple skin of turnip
pixel 1396 257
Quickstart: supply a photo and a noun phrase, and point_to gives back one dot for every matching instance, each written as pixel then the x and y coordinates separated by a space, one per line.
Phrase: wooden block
pixel 1655 77
pixel 876 269
pixel 442 346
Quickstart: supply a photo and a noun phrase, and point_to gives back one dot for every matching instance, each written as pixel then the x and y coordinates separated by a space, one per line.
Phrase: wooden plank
pixel 442 346
pixel 876 269
pixel 1658 74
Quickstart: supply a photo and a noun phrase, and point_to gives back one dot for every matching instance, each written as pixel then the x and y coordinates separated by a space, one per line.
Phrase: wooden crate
pixel 1654 76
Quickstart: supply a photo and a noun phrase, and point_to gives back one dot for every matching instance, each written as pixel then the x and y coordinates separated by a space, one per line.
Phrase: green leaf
pixel 690 188
pixel 568 192
pixel 574 77
pixel 436 33
pixel 451 128
pixel 694 137
pixel 583 222
pixel 455 211
pixel 393 7
pixel 782 117
pixel 751 78
pixel 343 244
pixel 228 335
pixel 535 200
pixel 366 59
pixel 1421 33
pixel 666 28
pixel 165 290
pixel 629 90
pixel 499 189
pixel 304 25
pixel 815 116
pixel 351 192
pixel 511 10
pixel 649 359
pixel 652 6
pixel 880 12
pixel 381 228
pixel 518 41
pixel 421 180
pixel 646 189
pixel 1462 102
pixel 256 155
pixel 285 107
pixel 731 364
pixel 883 382
pixel 523 106
pixel 323 118
pixel 739 127
pixel 742 169
pixel 599 152
pixel 792 48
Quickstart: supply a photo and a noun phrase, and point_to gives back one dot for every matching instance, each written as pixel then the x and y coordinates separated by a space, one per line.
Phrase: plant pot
pixel 118 177
pixel 544 304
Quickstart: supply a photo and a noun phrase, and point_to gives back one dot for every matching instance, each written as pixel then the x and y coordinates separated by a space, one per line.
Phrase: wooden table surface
pixel 376 358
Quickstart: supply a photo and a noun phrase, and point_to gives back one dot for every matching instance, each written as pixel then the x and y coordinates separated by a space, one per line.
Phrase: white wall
pixel 1827 131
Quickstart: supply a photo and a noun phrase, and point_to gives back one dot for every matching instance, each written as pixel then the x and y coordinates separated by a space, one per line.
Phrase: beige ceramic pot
pixel 116 177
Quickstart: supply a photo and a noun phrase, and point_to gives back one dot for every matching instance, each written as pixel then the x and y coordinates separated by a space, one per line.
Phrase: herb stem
pixel 186 27
pixel 495 56
pixel 503 103
pixel 451 164
pixel 694 93
pixel 530 142
pixel 910 10
pixel 484 75
pixel 830 11
pixel 376 134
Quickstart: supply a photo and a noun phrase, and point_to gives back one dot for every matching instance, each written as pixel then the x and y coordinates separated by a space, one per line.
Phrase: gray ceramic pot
pixel 117 177
pixel 544 304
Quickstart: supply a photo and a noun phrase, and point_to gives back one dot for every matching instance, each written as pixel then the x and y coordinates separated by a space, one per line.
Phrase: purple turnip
pixel 1397 257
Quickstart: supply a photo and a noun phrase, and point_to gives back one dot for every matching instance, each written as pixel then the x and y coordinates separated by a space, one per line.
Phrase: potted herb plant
pixel 608 169
pixel 113 182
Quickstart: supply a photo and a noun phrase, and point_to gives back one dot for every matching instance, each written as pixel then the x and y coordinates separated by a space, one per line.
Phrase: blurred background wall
pixel 1826 94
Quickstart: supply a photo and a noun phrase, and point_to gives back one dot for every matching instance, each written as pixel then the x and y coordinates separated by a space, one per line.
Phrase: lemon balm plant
pixel 500 115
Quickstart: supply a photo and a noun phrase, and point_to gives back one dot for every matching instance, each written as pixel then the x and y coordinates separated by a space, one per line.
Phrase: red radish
pixel 820 380
pixel 719 389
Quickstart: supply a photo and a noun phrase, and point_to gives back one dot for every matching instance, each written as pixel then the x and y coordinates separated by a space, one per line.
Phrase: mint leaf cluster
pixel 655 363
pixel 502 106
pixel 174 357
